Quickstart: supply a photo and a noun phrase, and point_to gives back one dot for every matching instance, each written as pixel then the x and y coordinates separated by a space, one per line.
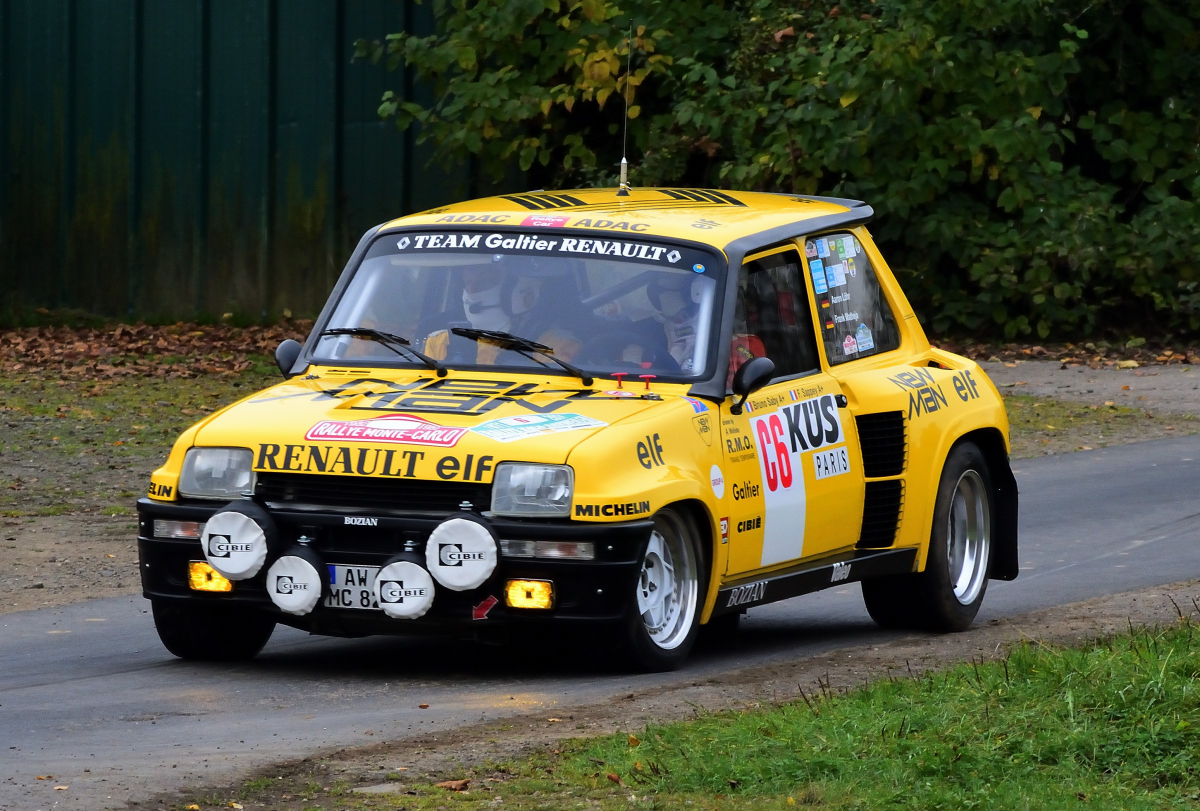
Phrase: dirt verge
pixel 394 766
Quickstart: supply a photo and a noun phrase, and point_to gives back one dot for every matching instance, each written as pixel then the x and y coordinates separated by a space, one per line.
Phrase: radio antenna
pixel 623 191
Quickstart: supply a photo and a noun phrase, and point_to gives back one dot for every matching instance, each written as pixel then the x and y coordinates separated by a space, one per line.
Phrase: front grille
pixel 881 513
pixel 883 444
pixel 413 495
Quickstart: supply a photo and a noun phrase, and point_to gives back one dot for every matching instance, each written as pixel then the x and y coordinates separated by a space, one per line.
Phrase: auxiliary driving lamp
pixel 202 577
pixel 529 594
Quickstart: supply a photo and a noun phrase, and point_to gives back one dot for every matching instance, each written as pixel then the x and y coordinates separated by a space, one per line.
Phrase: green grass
pixel 1113 724
pixel 93 443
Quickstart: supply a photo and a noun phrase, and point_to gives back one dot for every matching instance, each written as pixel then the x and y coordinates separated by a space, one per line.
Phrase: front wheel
pixel 947 595
pixel 214 633
pixel 662 622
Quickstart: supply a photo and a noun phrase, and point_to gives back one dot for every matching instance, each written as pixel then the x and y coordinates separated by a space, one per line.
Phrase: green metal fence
pixel 184 157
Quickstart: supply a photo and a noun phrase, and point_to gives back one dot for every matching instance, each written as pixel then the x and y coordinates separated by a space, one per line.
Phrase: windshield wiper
pixel 522 345
pixel 395 343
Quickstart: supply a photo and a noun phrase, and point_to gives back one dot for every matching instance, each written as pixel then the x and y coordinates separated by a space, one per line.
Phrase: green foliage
pixel 1033 163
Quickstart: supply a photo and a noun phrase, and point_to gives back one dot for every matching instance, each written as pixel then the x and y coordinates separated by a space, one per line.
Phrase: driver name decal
pixel 400 429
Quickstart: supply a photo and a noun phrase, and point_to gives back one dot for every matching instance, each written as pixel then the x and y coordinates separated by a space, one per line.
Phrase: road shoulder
pixel 473 750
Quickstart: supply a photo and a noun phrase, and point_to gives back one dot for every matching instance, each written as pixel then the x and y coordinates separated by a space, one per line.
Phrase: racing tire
pixel 947 595
pixel 213 633
pixel 663 619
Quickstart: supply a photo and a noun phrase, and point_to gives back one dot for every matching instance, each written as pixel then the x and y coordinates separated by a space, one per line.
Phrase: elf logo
pixel 220 546
pixel 649 453
pixel 451 554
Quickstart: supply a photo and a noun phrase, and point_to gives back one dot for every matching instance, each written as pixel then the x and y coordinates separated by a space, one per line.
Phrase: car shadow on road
pixel 564 654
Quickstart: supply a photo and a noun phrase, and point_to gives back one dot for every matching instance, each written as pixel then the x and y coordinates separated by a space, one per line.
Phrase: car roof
pixel 703 215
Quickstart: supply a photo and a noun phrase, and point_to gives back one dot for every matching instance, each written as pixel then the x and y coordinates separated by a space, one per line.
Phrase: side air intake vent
pixel 884 448
pixel 881 514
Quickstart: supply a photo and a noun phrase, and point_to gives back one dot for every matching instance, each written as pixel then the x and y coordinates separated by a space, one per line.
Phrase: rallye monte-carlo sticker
pixel 401 429
pixel 784 438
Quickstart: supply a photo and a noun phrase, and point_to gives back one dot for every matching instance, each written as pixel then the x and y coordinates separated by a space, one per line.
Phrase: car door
pixel 792 458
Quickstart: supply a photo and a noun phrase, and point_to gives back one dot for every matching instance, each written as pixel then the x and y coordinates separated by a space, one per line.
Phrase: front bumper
pixel 585 590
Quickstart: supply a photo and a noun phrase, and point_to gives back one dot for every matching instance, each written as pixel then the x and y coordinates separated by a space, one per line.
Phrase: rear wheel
pixel 206 632
pixel 947 595
pixel 661 625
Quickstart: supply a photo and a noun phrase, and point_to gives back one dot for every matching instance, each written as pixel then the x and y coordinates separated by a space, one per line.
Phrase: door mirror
pixel 750 377
pixel 286 355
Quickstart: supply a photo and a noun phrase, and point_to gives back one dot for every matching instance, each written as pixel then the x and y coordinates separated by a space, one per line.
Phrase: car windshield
pixel 603 304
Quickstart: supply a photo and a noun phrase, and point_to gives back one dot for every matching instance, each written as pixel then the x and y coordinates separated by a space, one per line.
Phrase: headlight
pixel 217 473
pixel 532 491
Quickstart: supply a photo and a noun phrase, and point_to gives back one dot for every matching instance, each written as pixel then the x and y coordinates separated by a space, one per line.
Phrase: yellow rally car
pixel 645 410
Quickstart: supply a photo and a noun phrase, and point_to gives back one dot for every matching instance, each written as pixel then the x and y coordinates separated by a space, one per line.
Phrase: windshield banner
pixel 542 244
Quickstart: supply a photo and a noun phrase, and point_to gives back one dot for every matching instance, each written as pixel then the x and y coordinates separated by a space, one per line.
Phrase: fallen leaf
pixel 785 32
pixel 1127 364
pixel 235 805
pixel 1050 427
pixel 47 777
pixel 423 706
pixel 633 741
pixel 554 720
pixel 1124 388
pixel 1109 402
pixel 192 807
pixel 453 785
pixel 614 778
pixel 61 788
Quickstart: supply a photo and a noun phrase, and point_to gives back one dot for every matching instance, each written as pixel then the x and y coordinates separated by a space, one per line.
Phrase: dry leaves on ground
pixel 1095 354
pixel 177 350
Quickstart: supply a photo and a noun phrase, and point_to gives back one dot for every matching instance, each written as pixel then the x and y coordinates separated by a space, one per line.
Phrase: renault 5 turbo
pixel 641 411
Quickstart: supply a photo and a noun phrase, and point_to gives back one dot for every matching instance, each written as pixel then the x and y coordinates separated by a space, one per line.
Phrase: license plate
pixel 352 587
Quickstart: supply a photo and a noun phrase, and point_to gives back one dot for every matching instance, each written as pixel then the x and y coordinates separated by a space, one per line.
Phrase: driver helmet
pixel 676 298
pixel 495 292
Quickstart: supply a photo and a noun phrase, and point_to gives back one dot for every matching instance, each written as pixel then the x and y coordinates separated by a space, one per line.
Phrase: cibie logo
pixel 393 591
pixel 401 429
pixel 451 554
pixel 284 584
pixel 220 546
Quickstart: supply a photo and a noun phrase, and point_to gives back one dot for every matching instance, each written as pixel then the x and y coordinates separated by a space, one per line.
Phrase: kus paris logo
pixel 400 429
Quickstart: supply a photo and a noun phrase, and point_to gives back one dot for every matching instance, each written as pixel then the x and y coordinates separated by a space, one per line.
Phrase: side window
pixel 772 317
pixel 856 320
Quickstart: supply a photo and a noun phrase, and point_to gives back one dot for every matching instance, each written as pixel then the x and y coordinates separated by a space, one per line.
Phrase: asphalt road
pixel 90 698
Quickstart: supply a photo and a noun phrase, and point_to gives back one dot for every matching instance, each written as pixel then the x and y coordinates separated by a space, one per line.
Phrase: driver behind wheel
pixel 506 296
pixel 677 298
